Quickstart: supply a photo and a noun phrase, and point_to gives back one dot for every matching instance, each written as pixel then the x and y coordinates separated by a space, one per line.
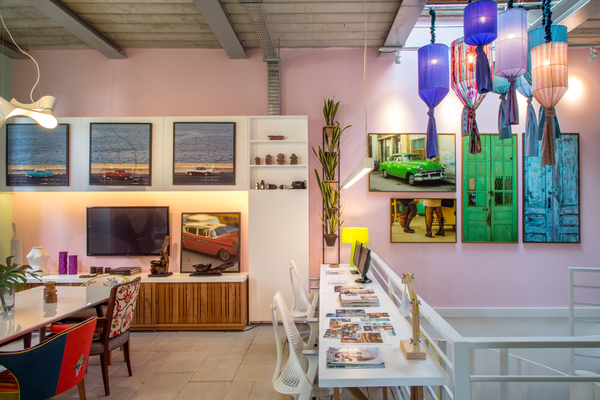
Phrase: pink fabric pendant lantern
pixel 550 82
pixel 511 56
pixel 464 84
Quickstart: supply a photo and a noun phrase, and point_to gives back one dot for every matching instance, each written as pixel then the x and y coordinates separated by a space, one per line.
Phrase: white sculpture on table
pixel 37 258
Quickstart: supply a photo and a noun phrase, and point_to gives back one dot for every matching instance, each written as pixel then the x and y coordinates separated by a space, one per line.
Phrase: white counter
pixel 177 277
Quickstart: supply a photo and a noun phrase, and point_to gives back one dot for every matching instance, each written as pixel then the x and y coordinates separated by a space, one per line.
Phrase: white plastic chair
pixel 298 377
pixel 304 304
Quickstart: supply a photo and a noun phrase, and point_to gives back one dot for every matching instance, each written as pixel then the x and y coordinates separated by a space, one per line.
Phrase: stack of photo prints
pixel 366 357
pixel 358 326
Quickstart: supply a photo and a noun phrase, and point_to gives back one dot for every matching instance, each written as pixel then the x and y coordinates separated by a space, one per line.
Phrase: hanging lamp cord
pixel 432 29
pixel 547 15
pixel 509 4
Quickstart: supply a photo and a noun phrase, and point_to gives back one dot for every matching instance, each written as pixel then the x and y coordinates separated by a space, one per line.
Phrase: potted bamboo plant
pixel 329 110
pixel 332 222
pixel 12 277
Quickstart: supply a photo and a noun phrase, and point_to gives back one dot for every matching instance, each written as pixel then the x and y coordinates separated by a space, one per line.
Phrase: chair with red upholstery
pixel 50 368
pixel 115 326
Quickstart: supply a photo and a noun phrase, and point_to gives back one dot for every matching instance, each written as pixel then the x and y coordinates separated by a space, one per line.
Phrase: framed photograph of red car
pixel 401 163
pixel 120 154
pixel 204 153
pixel 210 238
pixel 37 156
pixel 423 220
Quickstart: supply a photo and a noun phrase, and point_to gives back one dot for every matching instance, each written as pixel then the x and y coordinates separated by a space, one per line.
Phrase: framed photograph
pixel 401 164
pixel 210 238
pixel 37 156
pixel 423 220
pixel 551 195
pixel 490 191
pixel 120 154
pixel 204 153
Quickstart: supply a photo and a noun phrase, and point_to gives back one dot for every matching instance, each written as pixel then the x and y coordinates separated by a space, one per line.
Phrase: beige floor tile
pixel 173 343
pixel 158 358
pixel 139 340
pixel 164 384
pixel 183 361
pixel 73 393
pixel 204 391
pixel 248 334
pixel 228 353
pixel 152 396
pixel 216 369
pixel 242 344
pixel 255 373
pixel 141 357
pixel 216 343
pixel 269 359
pixel 200 334
pixel 262 349
pixel 140 373
pixel 238 391
pixel 265 391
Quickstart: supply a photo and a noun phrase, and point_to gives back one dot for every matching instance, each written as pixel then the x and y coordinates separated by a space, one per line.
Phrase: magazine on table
pixel 334 272
pixel 354 357
pixel 361 300
pixel 348 287
pixel 362 337
pixel 350 313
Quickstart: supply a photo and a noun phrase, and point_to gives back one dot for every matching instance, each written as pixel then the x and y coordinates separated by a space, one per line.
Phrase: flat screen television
pixel 357 250
pixel 126 231
pixel 363 265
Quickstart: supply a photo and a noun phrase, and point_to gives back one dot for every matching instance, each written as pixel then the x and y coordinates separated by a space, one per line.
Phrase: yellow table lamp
pixel 351 235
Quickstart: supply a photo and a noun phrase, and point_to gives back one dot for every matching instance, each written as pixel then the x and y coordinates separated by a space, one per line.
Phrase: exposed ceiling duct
pixel 258 17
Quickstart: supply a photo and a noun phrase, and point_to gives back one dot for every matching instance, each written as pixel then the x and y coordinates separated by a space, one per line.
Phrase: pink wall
pixel 205 82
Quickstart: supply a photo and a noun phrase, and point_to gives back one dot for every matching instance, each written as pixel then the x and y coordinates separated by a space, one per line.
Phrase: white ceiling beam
pixel 407 17
pixel 571 13
pixel 74 23
pixel 219 24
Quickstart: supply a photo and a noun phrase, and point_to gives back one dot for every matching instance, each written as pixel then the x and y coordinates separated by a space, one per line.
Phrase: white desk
pixel 398 371
pixel 32 313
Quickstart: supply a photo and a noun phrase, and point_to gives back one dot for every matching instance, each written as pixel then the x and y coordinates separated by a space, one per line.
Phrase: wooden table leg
pixel 416 393
pixel 358 394
pixel 336 393
pixel 385 392
pixel 27 340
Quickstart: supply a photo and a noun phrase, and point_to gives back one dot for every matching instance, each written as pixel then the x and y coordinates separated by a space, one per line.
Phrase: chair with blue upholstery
pixel 49 368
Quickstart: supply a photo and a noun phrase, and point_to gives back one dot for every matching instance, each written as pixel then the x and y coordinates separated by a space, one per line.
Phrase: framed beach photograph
pixel 401 164
pixel 551 195
pixel 204 153
pixel 120 154
pixel 36 156
pixel 490 191
pixel 210 238
pixel 423 220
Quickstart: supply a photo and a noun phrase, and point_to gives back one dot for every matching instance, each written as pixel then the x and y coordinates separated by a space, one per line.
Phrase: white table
pixel 32 313
pixel 398 370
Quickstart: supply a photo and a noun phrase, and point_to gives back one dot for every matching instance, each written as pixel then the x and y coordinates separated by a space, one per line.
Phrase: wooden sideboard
pixel 180 302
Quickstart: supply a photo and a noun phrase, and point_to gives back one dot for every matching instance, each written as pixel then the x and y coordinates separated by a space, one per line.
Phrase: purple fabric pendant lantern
pixel 480 28
pixel 511 56
pixel 434 83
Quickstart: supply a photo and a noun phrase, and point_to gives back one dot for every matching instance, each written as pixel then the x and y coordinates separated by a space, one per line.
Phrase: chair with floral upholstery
pixel 115 326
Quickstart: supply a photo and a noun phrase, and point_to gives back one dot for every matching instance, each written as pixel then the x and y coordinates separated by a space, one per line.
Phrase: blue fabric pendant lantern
pixel 480 28
pixel 434 83
pixel 501 87
pixel 511 55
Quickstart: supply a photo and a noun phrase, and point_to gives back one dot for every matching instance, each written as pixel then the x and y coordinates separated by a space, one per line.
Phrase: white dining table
pixel 32 313
pixel 398 370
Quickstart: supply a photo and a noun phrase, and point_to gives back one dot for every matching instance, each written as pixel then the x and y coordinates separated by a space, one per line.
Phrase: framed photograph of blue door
pixel 551 195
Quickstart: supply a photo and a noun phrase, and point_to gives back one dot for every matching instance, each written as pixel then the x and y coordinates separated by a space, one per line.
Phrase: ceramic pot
pixel 37 258
pixel 329 129
pixel 330 239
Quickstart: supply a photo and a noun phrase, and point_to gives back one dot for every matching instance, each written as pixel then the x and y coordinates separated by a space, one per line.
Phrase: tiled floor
pixel 193 365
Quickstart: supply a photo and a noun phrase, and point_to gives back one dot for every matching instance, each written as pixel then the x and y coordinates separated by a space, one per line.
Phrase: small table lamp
pixel 351 235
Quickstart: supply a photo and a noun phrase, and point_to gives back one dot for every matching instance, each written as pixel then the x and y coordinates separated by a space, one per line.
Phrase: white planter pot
pixel 37 258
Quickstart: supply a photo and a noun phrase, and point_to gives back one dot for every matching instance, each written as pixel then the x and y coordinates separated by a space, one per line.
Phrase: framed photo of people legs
pixel 210 238
pixel 423 220
pixel 36 156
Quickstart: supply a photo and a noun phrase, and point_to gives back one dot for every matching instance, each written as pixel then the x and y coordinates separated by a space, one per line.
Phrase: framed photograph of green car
pixel 210 243
pixel 204 153
pixel 401 163
pixel 423 220
pixel 489 186
pixel 120 154
pixel 36 156
pixel 551 194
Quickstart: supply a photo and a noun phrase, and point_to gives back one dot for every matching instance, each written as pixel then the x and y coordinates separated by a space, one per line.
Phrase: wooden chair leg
pixel 104 365
pixel 336 393
pixel 27 340
pixel 385 393
pixel 110 358
pixel 416 392
pixel 125 348
pixel 81 389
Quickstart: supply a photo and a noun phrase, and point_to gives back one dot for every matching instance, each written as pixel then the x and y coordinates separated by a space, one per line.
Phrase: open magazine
pixel 354 357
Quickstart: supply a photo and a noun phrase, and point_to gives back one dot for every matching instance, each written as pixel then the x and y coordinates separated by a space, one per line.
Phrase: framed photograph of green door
pixel 489 201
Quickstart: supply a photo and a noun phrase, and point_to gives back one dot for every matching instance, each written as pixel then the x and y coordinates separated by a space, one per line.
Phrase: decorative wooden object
pixel 207 269
pixel 50 292
pixel 275 137
pixel 294 159
pixel 161 267
pixel 412 348
pixel 257 160
pixel 280 159
pixel 268 160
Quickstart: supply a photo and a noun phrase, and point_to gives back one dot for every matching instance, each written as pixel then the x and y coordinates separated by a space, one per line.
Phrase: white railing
pixel 457 353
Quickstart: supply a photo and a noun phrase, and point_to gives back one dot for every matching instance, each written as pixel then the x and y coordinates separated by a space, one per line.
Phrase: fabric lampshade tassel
pixel 532 148
pixel 501 87
pixel 434 83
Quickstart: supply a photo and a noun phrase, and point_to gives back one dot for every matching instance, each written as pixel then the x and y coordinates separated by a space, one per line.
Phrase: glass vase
pixel 7 300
